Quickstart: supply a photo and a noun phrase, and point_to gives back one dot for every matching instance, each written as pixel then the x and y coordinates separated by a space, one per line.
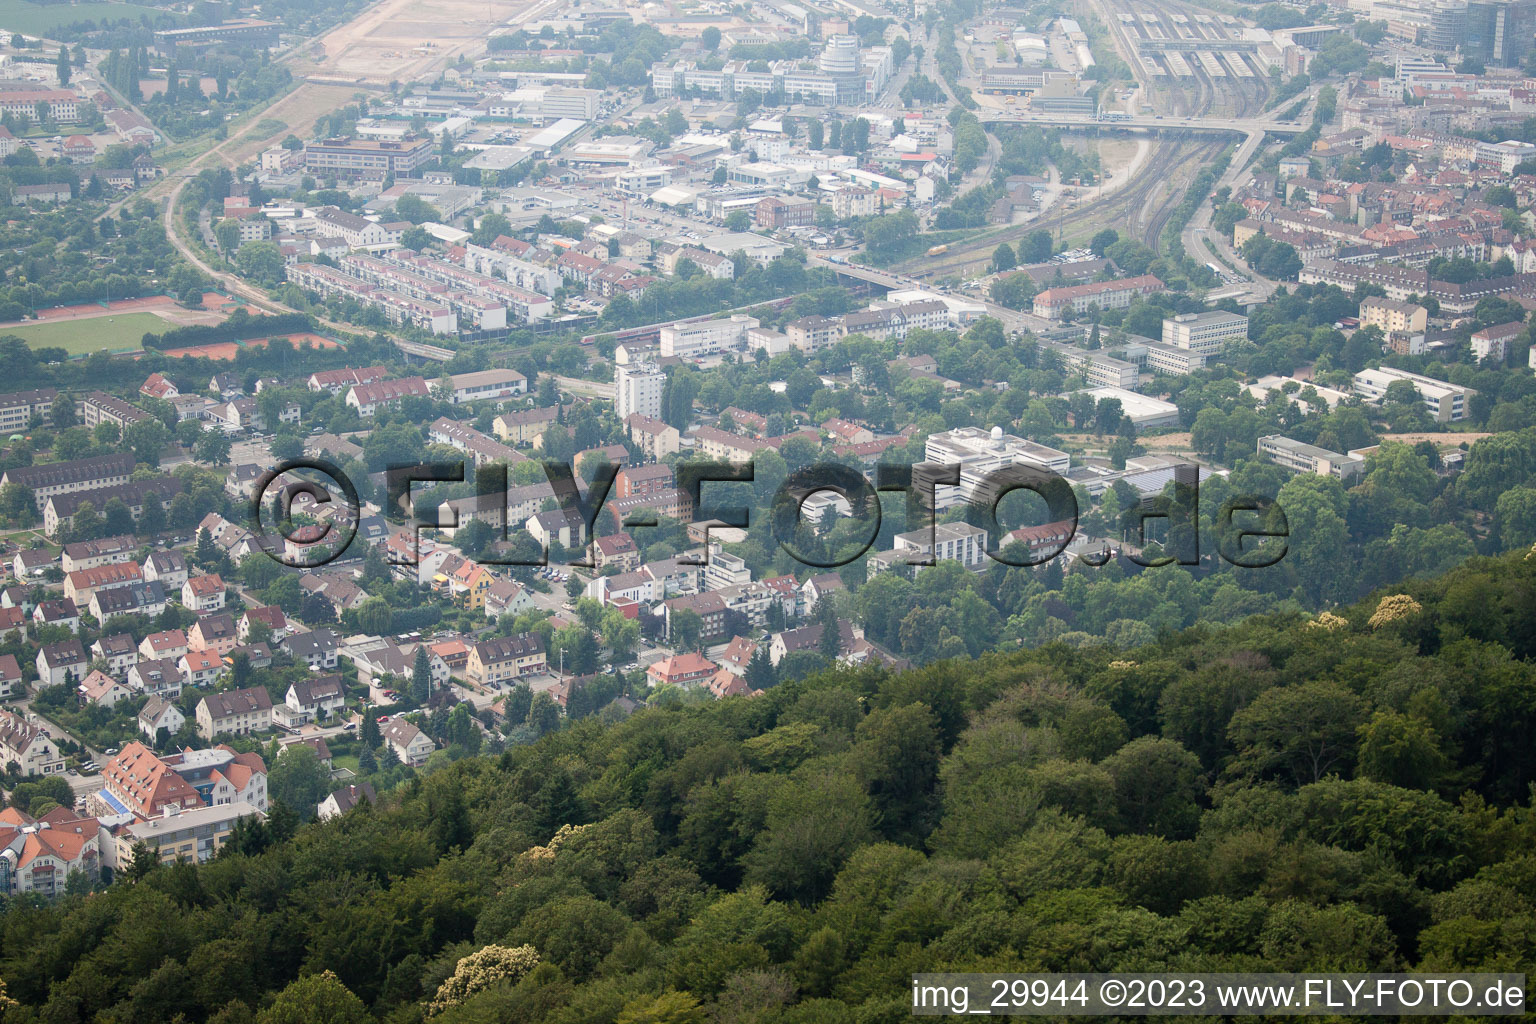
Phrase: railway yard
pixel 1226 81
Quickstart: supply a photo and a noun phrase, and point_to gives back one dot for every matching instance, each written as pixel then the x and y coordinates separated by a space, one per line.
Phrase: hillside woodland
pixel 1345 792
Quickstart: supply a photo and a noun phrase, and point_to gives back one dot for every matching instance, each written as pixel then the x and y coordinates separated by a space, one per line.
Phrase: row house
pixel 522 304
pixel 60 509
pixel 369 398
pixel 98 407
pixel 338 381
pixel 481 448
pixel 80 584
pixel 92 554
pixel 56 478
pixel 145 599
pixel 396 307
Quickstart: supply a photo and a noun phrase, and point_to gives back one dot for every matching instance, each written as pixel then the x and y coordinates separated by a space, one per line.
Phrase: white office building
pixel 1446 402
pixel 1204 332
pixel 707 337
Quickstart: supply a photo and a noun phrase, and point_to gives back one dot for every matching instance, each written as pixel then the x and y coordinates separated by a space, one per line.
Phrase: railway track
pixel 1141 209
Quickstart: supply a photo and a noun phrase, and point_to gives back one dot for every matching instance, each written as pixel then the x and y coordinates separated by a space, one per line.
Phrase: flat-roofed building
pixel 980 455
pixel 367 158
pixel 1204 332
pixel 1299 457
pixel 1393 317
pixel 1446 402
pixel 1145 412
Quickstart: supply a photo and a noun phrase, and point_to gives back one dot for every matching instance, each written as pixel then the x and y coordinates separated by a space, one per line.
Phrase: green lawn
pixel 42 19
pixel 118 333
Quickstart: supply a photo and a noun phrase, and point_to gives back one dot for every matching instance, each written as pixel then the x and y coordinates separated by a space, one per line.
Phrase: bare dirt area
pixel 402 40
pixel 1451 437
pixel 299 110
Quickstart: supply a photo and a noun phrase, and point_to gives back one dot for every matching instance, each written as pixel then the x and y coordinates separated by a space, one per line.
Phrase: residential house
pixel 410 744
pixel 687 669
pixel 88 554
pixel 738 655
pixel 157 677
pixel 507 597
pixel 100 688
pixel 25 744
pixel 203 594
pixel 12 685
pixel 13 624
pixel 171 643
pixel 61 663
pixel 238 712
pixel 200 667
pixel 43 853
pixel 344 799
pixel 316 648
pixel 213 632
pixel 136 781
pixel 269 616
pixel 524 426
pixel 82 584
pixel 147 599
pixel 31 562
pixel 502 659
pixel 168 568
pixel 808 638
pixel 57 613
pixel 618 551
pixel 159 713
pixel 311 700
pixel 117 651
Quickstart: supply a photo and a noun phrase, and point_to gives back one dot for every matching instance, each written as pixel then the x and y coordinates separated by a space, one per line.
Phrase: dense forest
pixel 1344 792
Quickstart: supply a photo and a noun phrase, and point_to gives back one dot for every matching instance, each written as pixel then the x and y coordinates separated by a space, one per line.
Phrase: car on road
pixel 110 752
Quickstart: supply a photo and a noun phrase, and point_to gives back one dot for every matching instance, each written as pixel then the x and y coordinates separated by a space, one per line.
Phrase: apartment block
pixel 1055 303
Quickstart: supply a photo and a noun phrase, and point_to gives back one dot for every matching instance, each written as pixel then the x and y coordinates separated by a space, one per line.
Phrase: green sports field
pixel 42 19
pixel 118 333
